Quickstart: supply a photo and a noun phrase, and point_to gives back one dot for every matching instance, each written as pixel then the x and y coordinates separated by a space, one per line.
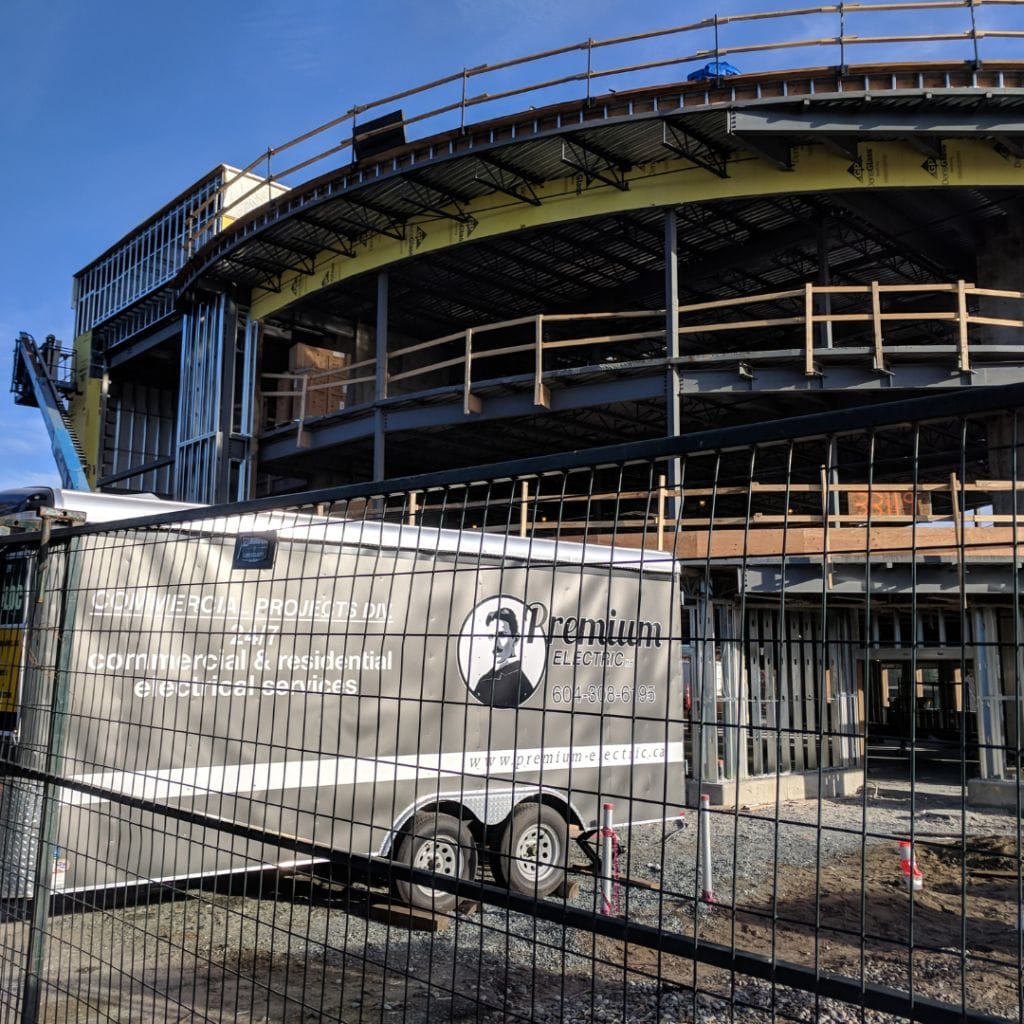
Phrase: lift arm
pixel 34 383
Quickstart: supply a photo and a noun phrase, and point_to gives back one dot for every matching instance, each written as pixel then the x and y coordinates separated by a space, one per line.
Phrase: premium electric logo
pixel 503 650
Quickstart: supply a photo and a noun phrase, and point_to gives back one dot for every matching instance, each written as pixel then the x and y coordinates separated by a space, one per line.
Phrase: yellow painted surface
pixel 86 406
pixel 10 663
pixel 664 183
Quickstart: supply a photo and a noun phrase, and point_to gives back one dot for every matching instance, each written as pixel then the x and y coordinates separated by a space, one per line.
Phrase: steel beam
pixel 876 124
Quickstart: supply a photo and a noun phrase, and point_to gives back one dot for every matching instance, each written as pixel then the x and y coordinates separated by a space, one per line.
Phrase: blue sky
pixel 112 107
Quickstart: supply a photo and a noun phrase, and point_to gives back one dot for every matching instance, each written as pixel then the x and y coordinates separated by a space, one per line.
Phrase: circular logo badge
pixel 503 652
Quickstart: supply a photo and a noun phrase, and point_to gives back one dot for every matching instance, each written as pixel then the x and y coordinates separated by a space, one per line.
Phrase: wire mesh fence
pixel 724 727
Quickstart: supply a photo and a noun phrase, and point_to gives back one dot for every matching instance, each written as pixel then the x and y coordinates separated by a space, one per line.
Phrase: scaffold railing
pixel 944 29
pixel 810 326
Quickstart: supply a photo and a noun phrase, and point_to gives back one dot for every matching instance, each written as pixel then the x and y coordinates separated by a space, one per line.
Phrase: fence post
pixel 413 509
pixel 706 873
pixel 609 868
pixel 958 522
pixel 50 805
pixel 661 512
pixel 524 497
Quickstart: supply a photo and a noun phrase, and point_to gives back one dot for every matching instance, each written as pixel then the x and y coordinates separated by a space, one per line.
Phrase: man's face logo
pixel 503 650
pixel 506 635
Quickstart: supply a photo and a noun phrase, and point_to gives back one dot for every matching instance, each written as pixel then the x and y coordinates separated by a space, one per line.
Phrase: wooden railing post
pixel 470 402
pixel 541 395
pixel 809 329
pixel 301 437
pixel 961 320
pixel 413 509
pixel 876 324
pixel 524 509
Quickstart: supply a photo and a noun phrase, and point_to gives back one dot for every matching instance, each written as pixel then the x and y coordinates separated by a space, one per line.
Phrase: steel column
pixel 672 388
pixel 381 386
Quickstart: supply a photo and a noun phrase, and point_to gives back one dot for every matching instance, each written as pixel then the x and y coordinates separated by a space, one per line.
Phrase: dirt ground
pixel 825 932
pixel 314 954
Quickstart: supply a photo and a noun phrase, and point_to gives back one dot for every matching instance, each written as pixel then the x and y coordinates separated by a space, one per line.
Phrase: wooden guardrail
pixel 806 329
pixel 645 512
pixel 448 102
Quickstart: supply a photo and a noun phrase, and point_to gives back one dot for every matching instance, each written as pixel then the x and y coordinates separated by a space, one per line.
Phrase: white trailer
pixel 424 696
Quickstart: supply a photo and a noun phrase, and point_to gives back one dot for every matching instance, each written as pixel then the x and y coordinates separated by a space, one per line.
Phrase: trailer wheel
pixel 439 843
pixel 533 851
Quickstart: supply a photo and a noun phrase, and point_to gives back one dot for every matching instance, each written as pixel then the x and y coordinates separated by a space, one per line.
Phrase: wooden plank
pixel 961 317
pixel 433 367
pixel 432 343
pixel 945 316
pixel 742 300
pixel 412 918
pixel 624 315
pixel 876 321
pixel 840 318
pixel 809 330
pixel 996 321
pixel 541 396
pixel 601 339
pixel 994 293
pixel 467 394
pixel 910 289
pixel 507 350
pixel 742 325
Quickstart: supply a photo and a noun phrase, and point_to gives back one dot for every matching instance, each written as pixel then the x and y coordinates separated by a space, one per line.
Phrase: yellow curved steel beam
pixel 968 163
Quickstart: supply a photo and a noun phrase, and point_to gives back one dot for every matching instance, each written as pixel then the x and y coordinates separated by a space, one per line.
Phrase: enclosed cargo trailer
pixel 407 693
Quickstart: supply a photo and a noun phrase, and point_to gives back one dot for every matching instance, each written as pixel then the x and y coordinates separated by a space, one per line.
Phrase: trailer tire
pixel 439 843
pixel 533 851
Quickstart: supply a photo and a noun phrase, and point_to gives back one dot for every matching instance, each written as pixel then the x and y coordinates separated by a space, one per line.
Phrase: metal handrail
pixel 208 213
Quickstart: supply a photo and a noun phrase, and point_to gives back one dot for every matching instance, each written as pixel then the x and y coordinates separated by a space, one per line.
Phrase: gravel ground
pixel 319 956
